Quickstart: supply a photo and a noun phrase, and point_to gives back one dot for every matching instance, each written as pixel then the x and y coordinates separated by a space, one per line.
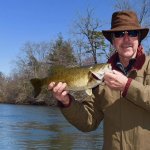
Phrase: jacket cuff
pixel 61 105
pixel 126 87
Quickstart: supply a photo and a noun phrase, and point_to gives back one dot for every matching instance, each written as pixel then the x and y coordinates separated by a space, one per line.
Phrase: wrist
pixel 126 87
pixel 65 103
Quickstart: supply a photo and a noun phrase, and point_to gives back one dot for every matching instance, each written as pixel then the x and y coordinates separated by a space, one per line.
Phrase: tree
pixel 30 64
pixel 142 8
pixel 62 53
pixel 89 38
pixel 32 61
pixel 3 83
pixel 123 5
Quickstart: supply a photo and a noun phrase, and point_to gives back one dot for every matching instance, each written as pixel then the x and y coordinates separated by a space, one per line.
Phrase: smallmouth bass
pixel 76 78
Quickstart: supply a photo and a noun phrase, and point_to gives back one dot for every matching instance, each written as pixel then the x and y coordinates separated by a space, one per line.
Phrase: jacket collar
pixel 139 60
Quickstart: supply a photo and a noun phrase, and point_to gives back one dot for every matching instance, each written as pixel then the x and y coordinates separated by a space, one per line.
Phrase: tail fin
pixel 37 85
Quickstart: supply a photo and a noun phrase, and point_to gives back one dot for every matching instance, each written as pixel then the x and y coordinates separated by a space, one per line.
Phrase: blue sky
pixel 40 20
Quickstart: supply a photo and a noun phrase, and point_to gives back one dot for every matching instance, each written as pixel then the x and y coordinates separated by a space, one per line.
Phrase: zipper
pixel 121 147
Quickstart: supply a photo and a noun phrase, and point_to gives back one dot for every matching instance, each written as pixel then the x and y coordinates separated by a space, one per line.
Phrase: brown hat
pixel 125 20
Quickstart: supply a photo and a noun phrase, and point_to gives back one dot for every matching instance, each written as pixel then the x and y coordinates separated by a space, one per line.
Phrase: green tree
pixel 62 53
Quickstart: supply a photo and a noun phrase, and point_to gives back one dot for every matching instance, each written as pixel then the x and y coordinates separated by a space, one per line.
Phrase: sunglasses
pixel 131 33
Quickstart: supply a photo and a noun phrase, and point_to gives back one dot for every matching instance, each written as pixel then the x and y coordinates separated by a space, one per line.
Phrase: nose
pixel 126 37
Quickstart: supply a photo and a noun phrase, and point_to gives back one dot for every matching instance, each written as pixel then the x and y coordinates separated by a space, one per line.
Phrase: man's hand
pixel 115 80
pixel 59 92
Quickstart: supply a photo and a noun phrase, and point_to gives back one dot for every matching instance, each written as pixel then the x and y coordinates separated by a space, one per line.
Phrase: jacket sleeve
pixel 139 94
pixel 86 116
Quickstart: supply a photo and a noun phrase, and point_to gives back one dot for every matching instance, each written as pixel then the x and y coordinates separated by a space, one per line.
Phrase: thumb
pixel 116 72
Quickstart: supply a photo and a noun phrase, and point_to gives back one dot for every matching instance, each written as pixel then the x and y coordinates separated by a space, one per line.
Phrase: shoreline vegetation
pixel 87 47
pixel 37 60
pixel 45 99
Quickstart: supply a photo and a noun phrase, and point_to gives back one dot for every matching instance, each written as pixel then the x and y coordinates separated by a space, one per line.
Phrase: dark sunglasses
pixel 131 33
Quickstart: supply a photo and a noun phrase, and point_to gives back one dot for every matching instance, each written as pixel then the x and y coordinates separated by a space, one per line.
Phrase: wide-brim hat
pixel 123 21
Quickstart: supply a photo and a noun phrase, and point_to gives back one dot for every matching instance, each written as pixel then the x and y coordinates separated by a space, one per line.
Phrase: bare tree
pixel 123 5
pixel 31 62
pixel 144 13
pixel 90 39
pixel 141 7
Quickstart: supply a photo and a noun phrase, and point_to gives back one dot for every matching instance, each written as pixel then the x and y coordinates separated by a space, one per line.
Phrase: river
pixel 25 127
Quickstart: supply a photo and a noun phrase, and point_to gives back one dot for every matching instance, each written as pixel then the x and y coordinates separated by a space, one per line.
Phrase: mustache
pixel 126 45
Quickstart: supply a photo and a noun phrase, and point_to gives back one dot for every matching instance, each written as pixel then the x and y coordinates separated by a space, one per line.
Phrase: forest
pixel 86 48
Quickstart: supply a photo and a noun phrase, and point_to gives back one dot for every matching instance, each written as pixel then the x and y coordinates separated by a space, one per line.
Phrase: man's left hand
pixel 115 80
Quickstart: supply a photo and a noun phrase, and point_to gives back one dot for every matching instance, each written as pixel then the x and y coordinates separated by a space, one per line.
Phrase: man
pixel 123 103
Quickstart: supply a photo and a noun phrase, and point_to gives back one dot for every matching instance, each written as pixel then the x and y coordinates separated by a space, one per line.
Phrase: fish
pixel 77 78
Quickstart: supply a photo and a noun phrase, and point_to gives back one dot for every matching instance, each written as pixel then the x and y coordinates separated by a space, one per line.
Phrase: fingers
pixel 109 76
pixel 110 82
pixel 57 88
pixel 115 80
pixel 64 93
pixel 116 72
pixel 59 91
pixel 51 86
pixel 112 75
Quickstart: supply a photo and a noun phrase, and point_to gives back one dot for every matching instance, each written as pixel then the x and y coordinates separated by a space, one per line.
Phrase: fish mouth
pixel 97 76
pixel 100 74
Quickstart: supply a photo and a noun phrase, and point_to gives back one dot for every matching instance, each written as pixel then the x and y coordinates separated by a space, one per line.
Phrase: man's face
pixel 126 43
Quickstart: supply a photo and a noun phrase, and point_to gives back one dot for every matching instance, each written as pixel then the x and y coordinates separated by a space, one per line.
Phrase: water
pixel 42 128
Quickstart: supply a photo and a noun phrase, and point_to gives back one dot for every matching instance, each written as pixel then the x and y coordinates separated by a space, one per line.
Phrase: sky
pixel 23 21
pixel 41 20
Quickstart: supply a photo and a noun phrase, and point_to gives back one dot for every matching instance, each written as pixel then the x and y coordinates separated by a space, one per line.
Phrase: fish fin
pixel 88 92
pixel 37 85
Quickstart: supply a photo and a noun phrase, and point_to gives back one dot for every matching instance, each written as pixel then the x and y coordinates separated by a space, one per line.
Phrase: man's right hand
pixel 59 92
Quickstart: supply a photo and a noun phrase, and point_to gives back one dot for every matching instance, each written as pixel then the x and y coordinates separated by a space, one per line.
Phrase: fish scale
pixel 76 78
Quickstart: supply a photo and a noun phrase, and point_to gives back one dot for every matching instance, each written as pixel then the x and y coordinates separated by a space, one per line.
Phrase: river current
pixel 24 127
